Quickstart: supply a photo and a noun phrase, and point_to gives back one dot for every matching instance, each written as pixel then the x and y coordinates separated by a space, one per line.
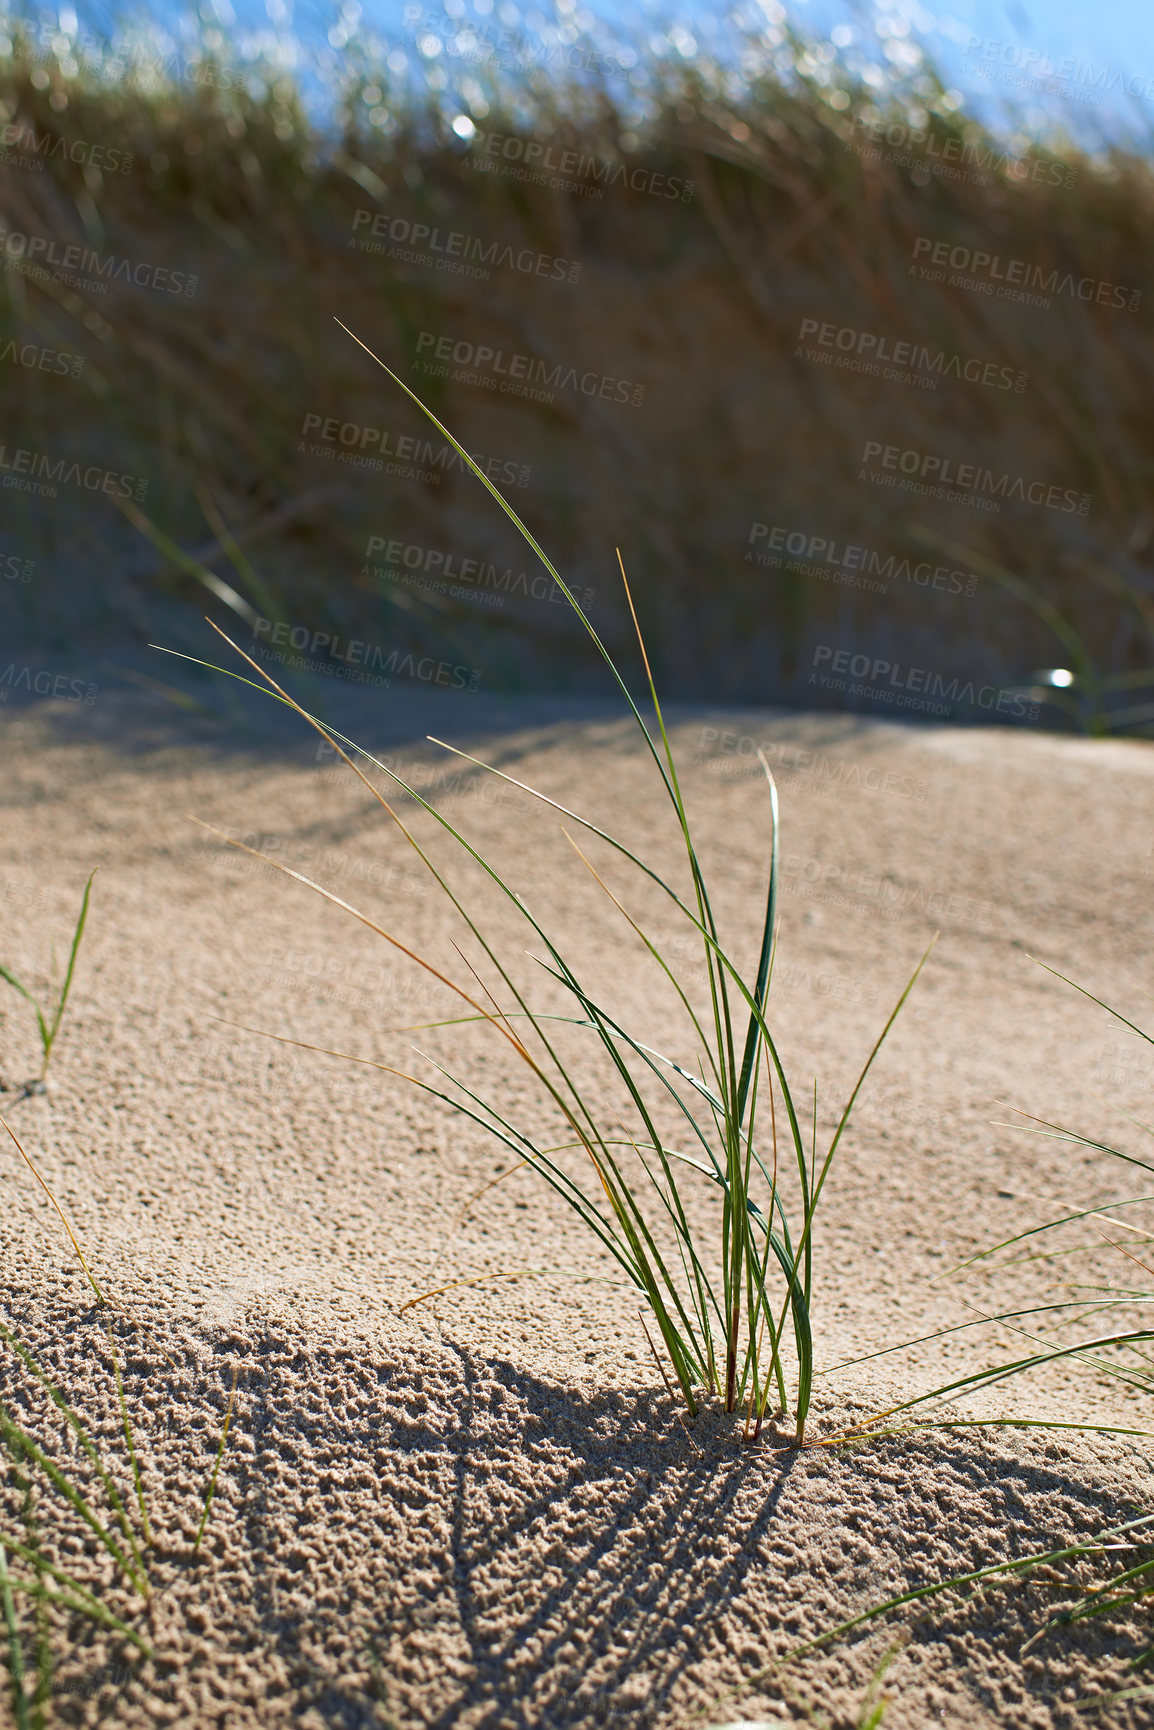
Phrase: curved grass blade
pixel 84 1606
pixel 85 1441
pixel 71 1234
pixel 84 1600
pixel 13 1434
pixel 15 1650
pixel 50 1040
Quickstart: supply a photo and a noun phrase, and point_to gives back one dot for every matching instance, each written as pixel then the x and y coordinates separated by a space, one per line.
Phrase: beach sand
pixel 486 1511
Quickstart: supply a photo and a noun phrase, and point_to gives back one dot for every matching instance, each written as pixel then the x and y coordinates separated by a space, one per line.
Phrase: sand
pixel 485 1510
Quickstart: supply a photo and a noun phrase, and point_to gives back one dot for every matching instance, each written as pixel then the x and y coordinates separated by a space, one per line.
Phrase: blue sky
pixel 1055 59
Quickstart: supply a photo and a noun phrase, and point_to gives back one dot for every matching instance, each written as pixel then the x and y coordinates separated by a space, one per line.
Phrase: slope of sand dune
pixel 486 1510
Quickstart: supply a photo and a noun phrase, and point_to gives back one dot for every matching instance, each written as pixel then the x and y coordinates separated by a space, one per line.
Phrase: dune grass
pixel 792 211
pixel 733 1315
pixel 48 1020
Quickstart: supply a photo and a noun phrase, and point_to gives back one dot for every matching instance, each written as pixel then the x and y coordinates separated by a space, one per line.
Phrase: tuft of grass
pixel 734 1313
pixel 48 1020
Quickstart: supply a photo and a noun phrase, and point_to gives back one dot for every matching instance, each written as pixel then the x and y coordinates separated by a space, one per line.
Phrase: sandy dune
pixel 486 1512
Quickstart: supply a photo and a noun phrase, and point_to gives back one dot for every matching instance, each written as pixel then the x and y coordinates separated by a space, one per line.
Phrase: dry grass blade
pixel 51 1197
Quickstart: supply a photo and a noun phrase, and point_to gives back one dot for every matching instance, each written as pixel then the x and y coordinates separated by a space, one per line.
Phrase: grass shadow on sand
pixel 428 1534
pixel 423 1533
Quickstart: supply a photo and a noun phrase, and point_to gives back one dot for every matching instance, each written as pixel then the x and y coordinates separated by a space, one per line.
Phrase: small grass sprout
pixel 48 1020
pixel 733 1317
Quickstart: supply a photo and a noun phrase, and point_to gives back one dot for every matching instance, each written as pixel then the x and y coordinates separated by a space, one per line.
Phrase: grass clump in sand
pixel 48 1021
pixel 733 1314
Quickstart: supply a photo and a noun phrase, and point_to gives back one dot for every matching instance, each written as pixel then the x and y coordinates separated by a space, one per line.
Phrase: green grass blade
pixel 979 1379
pixel 1052 1132
pixel 1149 1038
pixel 28 1553
pixel 5 973
pixel 67 986
pixel 1098 1212
pixel 574 817
pixel 994 1571
pixel 13 1434
pixel 81 1434
pixel 186 563
pixel 15 1652
pixel 211 1490
pixel 42 1025
pixel 236 556
pixel 528 537
pixel 83 1606
pixel 749 1056
pixel 1095 1702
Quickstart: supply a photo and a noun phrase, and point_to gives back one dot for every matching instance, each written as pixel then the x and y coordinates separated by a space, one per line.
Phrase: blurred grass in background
pixel 710 215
